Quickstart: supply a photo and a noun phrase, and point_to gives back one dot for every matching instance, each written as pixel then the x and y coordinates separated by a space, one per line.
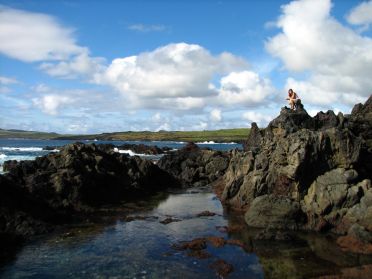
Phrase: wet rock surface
pixel 304 172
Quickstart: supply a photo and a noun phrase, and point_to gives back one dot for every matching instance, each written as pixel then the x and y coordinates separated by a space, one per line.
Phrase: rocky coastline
pixel 299 173
pixel 307 173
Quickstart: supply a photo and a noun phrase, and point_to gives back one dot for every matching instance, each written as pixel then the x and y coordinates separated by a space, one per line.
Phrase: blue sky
pixel 103 66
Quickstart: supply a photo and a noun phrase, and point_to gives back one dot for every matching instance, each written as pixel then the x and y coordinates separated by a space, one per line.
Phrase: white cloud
pixel 175 75
pixel 5 90
pixel 78 102
pixel 30 37
pixel 337 59
pixel 147 28
pixel 7 80
pixel 164 127
pixel 361 14
pixel 77 127
pixel 201 126
pixel 258 117
pixel 244 88
pixel 215 115
pixel 37 37
pixel 156 117
pixel 50 104
pixel 80 65
pixel 4 82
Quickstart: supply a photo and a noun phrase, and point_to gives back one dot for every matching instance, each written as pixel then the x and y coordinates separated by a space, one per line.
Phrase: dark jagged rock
pixel 23 215
pixel 320 167
pixel 194 166
pixel 87 175
pixel 77 179
pixel 325 120
pixel 253 142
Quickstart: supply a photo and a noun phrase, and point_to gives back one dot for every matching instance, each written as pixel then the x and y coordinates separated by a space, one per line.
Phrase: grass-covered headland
pixel 225 135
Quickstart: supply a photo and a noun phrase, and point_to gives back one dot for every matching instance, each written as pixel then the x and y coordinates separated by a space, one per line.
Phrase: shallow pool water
pixel 141 247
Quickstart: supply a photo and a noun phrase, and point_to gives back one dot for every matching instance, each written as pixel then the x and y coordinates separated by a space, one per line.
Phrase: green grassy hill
pixel 226 135
pixel 26 134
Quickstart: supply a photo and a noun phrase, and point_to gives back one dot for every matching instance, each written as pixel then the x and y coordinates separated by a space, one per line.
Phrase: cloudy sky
pixel 104 66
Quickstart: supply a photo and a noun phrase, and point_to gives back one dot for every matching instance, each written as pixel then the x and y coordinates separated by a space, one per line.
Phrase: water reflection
pixel 141 247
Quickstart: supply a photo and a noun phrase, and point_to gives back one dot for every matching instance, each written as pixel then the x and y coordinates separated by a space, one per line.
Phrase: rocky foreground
pixel 35 195
pixel 299 173
pixel 307 173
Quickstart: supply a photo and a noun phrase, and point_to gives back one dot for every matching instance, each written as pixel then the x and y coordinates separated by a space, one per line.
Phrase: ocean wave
pixel 26 149
pixel 3 156
pixel 212 142
pixel 15 157
pixel 131 153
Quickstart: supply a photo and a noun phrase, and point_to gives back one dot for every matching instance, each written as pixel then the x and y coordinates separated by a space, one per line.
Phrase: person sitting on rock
pixel 293 99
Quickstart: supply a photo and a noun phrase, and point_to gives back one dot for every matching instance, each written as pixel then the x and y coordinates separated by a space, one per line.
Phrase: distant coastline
pixel 237 135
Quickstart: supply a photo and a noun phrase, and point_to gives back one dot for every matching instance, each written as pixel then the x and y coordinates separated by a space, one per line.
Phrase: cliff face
pixel 305 172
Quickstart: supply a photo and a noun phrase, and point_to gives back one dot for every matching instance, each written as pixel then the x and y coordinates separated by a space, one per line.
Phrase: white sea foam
pixel 27 149
pixel 2 156
pixel 131 153
pixel 212 142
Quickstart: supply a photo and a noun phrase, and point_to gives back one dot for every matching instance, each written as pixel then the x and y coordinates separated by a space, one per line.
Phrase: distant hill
pixel 225 135
pixel 12 133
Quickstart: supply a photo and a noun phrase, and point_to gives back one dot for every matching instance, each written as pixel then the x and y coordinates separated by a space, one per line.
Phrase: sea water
pixel 143 248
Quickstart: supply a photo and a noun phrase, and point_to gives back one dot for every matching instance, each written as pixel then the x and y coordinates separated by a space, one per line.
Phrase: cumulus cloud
pixel 174 76
pixel 50 104
pixel 258 117
pixel 79 102
pixel 337 59
pixel 81 65
pixel 244 88
pixel 361 14
pixel 174 70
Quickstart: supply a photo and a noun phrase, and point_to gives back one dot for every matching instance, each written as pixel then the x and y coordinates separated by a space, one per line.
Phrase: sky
pixel 104 66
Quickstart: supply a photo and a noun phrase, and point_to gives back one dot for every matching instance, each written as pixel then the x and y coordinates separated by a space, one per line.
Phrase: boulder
pixel 194 166
pixel 330 196
pixel 275 212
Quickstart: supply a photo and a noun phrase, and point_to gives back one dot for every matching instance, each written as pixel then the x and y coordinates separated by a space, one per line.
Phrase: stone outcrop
pixel 78 179
pixel 194 166
pixel 304 172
